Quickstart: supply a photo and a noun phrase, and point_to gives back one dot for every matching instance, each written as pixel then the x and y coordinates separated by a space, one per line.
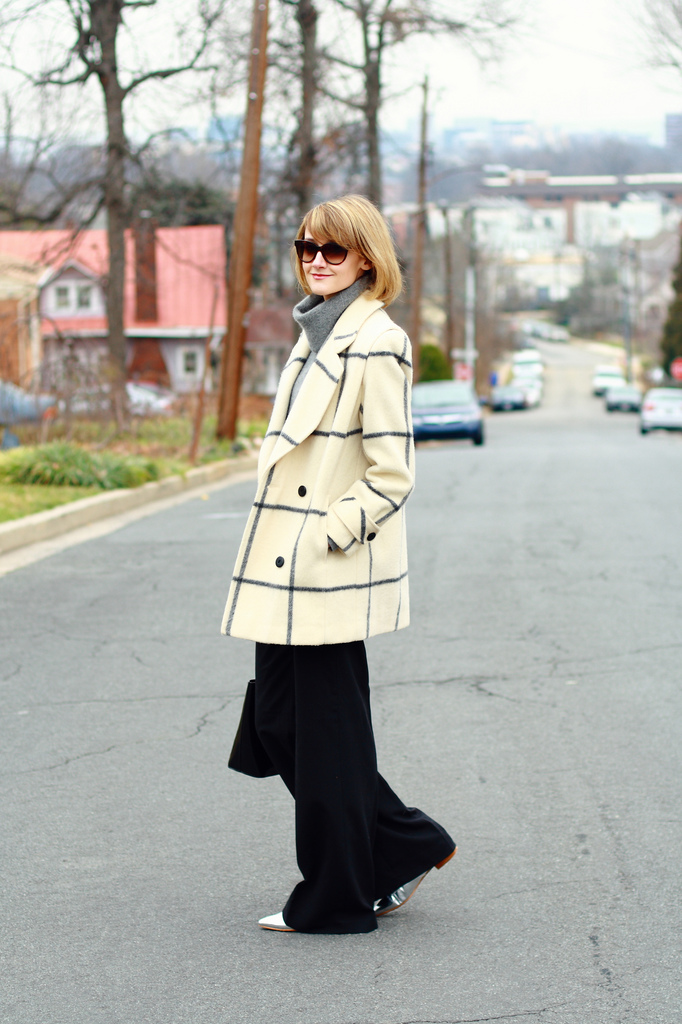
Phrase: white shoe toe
pixel 275 923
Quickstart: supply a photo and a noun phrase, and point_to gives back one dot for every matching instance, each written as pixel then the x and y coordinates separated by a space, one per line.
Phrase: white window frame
pixel 190 355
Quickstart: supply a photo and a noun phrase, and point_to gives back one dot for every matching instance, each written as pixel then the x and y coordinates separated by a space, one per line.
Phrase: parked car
pixel 532 390
pixel 661 410
pixel 527 357
pixel 149 399
pixel 446 409
pixel 507 397
pixel 528 371
pixel 607 377
pixel 143 400
pixel 544 330
pixel 621 398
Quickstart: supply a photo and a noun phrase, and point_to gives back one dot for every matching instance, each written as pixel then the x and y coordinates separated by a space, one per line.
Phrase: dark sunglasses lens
pixel 306 251
pixel 333 252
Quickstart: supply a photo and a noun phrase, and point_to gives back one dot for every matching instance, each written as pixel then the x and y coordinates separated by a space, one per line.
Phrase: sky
pixel 580 65
pixel 573 66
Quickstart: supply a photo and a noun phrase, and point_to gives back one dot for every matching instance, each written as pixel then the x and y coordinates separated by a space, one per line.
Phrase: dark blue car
pixel 446 409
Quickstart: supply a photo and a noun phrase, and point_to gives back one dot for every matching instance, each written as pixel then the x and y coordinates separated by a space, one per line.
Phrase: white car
pixel 528 371
pixel 661 410
pixel 532 390
pixel 606 377
pixel 148 399
pixel 143 400
pixel 527 356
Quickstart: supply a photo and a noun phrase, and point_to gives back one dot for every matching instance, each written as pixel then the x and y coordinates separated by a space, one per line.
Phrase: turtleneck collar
pixel 317 317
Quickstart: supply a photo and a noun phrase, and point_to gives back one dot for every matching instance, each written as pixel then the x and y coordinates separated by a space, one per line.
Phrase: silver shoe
pixel 385 904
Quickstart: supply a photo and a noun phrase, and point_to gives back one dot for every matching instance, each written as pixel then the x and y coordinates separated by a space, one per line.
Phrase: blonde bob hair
pixel 356 224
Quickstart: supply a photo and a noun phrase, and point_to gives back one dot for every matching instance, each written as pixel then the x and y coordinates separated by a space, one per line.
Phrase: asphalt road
pixel 534 707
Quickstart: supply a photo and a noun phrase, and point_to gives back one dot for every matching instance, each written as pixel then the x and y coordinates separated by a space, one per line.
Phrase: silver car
pixel 661 410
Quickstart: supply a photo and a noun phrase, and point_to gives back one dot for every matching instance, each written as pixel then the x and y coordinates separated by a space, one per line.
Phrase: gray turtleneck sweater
pixel 317 318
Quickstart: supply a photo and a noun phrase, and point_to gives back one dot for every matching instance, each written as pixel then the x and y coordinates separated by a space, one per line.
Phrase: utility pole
pixel 449 339
pixel 241 257
pixel 419 233
pixel 626 287
pixel 470 296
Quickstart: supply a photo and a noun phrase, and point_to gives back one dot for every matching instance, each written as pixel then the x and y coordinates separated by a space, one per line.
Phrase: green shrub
pixel 434 364
pixel 66 465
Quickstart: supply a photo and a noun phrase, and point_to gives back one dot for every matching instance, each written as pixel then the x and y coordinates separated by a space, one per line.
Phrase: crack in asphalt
pixel 205 719
pixel 227 697
pixel 607 979
pixel 11 673
pixel 202 722
pixel 543 885
pixel 467 680
pixel 480 687
pixel 484 1020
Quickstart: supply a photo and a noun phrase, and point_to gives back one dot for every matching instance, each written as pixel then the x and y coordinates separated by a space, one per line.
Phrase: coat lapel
pixel 320 383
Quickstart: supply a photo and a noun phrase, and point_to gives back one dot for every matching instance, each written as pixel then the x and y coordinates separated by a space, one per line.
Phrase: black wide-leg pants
pixel 355 839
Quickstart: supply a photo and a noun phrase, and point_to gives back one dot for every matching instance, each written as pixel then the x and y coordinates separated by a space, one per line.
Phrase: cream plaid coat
pixel 339 464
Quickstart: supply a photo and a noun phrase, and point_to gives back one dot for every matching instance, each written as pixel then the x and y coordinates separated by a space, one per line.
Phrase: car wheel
pixel 644 430
pixel 478 438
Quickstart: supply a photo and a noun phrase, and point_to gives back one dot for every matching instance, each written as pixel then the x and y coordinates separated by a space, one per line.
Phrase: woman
pixel 323 566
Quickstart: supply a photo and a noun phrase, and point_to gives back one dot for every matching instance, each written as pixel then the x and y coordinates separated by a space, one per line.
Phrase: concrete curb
pixel 55 521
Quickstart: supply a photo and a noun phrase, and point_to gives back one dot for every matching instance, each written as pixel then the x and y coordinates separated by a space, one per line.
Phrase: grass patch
pixel 37 476
pixel 17 500
pixel 155 437
pixel 66 465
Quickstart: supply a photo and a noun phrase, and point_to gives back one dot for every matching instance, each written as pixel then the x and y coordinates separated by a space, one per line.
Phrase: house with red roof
pixel 175 298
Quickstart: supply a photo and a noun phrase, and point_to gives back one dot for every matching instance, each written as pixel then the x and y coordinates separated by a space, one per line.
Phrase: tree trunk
pixel 372 71
pixel 116 222
pixel 306 16
pixel 241 255
pixel 419 235
pixel 105 23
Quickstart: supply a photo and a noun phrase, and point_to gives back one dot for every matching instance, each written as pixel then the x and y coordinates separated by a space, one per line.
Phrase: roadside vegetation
pixel 39 476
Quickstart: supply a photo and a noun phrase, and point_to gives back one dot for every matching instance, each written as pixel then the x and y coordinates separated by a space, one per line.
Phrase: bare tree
pixel 384 24
pixel 92 54
pixel 661 21
pixel 45 179
pixel 303 149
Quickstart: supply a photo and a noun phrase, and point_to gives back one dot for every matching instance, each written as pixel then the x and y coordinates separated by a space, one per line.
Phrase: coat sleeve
pixel 387 441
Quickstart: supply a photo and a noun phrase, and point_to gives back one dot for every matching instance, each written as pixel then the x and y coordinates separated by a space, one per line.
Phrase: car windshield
pixel 441 393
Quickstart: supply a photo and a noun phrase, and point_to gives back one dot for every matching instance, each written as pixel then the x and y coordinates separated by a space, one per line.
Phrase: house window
pixel 63 297
pixel 84 296
pixel 190 362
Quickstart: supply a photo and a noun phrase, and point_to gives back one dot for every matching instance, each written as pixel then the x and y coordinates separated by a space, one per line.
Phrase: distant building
pixel 20 338
pixel 673 131
pixel 175 278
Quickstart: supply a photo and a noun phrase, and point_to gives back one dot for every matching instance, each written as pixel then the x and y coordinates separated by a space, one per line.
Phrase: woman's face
pixel 327 279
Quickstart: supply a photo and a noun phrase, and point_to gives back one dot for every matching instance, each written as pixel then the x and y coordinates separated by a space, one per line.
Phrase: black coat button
pixel 279 561
pixel 302 491
pixel 371 536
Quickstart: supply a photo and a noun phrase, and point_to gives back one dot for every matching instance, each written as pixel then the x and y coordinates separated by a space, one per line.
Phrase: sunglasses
pixel 332 252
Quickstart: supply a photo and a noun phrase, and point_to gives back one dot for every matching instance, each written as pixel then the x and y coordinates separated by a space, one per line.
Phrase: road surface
pixel 534 707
